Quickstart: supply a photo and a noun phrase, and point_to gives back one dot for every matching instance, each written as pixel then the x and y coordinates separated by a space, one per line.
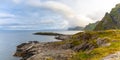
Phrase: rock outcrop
pixel 42 51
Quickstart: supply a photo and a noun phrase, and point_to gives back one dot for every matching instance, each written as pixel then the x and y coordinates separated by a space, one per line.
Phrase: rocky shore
pixel 34 50
pixel 80 46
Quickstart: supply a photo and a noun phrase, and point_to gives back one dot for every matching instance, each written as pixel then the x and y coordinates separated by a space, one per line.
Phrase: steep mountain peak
pixel 118 5
pixel 110 20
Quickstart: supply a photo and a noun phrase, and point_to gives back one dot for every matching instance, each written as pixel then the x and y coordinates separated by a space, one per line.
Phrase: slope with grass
pixel 98 53
pixel 89 45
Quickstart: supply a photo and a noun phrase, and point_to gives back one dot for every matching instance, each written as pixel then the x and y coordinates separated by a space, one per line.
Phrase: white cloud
pixel 6 15
pixel 6 18
pixel 17 1
pixel 59 7
pixel 48 21
pixel 67 12
pixel 74 12
pixel 36 3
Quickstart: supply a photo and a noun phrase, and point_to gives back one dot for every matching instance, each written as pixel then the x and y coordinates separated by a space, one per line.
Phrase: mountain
pixel 91 26
pixel 76 28
pixel 110 20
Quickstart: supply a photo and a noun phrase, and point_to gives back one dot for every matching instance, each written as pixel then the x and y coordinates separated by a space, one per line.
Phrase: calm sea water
pixel 10 39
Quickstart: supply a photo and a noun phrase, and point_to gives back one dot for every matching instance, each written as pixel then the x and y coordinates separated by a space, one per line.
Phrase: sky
pixel 51 14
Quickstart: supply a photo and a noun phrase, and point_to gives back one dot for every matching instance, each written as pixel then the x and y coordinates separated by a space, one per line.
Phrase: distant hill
pixel 91 26
pixel 76 28
pixel 110 20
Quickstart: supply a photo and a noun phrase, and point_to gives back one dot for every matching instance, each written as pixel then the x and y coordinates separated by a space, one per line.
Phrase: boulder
pixel 84 47
pixel 103 41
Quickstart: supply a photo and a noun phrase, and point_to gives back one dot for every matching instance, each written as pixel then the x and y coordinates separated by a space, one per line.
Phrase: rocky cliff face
pixel 110 20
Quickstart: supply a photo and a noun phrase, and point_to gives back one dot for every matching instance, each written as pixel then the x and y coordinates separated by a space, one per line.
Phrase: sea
pixel 9 39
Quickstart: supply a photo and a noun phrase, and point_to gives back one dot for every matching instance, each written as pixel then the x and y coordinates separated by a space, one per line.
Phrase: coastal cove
pixel 9 39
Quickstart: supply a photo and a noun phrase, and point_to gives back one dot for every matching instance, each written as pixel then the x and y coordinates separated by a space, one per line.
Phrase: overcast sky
pixel 51 14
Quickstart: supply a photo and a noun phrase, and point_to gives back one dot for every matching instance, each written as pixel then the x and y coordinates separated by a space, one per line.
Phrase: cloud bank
pixel 67 12
pixel 51 14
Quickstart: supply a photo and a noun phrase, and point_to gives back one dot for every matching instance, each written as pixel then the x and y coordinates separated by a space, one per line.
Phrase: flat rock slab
pixel 115 56
pixel 42 51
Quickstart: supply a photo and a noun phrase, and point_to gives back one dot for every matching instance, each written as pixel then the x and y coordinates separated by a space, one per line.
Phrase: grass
pixel 100 52
pixel 111 36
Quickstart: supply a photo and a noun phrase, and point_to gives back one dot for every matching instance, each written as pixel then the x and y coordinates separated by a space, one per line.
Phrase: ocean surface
pixel 9 39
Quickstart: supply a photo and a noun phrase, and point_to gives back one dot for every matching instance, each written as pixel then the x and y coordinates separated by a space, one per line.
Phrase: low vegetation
pixel 92 39
pixel 88 45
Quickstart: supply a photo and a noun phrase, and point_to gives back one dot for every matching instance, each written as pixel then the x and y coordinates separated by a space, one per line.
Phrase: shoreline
pixel 57 36
pixel 34 50
pixel 77 46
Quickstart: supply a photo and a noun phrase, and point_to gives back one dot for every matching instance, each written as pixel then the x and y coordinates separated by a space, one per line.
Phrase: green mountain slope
pixel 110 20
pixel 91 26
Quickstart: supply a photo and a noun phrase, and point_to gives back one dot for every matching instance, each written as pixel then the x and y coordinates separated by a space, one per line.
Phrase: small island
pixel 57 35
pixel 47 33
